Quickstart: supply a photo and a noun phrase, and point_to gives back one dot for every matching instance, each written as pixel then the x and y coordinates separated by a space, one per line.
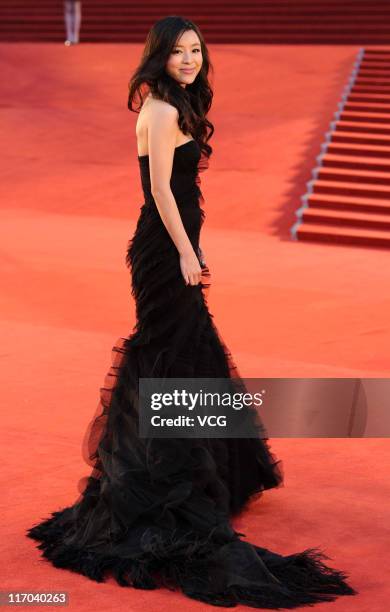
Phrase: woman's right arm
pixel 162 130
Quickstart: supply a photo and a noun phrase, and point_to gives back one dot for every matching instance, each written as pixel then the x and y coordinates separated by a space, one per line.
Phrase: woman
pixel 158 512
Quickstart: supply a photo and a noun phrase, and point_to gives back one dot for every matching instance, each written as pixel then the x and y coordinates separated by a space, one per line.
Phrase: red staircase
pixel 221 21
pixel 348 198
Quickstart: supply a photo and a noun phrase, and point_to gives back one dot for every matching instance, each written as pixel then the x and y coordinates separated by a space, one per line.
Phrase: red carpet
pixel 70 198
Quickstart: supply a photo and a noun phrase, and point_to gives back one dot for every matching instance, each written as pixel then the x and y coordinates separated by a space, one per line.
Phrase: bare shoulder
pixel 162 110
pixel 157 122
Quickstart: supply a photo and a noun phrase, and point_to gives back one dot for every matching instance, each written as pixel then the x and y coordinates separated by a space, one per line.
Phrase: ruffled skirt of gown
pixel 156 512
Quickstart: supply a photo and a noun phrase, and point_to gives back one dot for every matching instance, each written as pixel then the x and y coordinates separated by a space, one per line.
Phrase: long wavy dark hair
pixel 193 101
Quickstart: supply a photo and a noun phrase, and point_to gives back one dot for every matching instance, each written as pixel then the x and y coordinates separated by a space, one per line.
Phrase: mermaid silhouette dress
pixel 155 513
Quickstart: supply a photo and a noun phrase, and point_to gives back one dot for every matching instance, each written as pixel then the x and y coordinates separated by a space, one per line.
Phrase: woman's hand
pixel 190 268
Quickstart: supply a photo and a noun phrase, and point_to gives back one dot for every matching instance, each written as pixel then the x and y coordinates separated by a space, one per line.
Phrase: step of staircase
pixel 357 150
pixel 312 232
pixel 372 83
pixel 371 98
pixel 367 107
pixel 378 140
pixel 349 162
pixel 368 73
pixel 364 117
pixel 346 219
pixel 345 188
pixel 367 178
pixel 347 203
pixel 361 127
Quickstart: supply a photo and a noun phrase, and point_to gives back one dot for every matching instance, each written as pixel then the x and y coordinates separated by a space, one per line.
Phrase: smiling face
pixel 185 61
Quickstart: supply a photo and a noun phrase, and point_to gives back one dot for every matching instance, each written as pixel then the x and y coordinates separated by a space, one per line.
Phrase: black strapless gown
pixel 157 513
